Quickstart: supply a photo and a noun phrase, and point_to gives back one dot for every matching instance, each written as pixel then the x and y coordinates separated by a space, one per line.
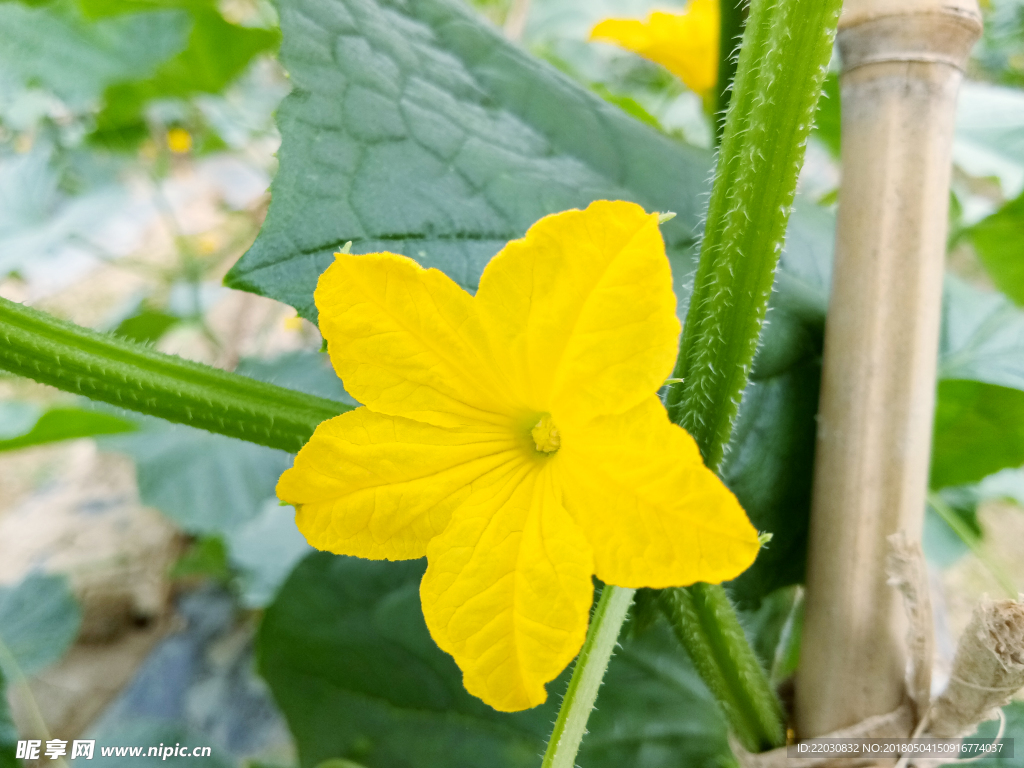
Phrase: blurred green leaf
pixel 828 120
pixel 979 430
pixel 1014 728
pixel 22 425
pixel 147 326
pixel 945 544
pixel 39 620
pixel 982 336
pixel 349 659
pixel 308 372
pixel 206 557
pixel 206 483
pixel 999 242
pixel 769 468
pixel 216 53
pixel 56 47
pixel 8 733
pixel 989 139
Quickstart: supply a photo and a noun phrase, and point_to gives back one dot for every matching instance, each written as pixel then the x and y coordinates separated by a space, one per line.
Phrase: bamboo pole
pixel 902 64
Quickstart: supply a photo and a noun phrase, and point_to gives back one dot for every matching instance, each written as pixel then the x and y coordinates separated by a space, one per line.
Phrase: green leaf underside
pixel 41 347
pixel 349 659
pixel 39 619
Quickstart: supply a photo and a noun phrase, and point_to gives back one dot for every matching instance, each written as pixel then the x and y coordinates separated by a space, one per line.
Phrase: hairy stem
pixel 103 367
pixel 587 675
pixel 733 13
pixel 786 48
pixel 783 59
pixel 706 624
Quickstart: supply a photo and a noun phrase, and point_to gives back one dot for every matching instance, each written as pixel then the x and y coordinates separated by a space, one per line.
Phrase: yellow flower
pixel 686 43
pixel 516 439
pixel 179 140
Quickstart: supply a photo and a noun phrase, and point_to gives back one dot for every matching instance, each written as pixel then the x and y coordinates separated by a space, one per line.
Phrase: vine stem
pixel 128 375
pixel 602 637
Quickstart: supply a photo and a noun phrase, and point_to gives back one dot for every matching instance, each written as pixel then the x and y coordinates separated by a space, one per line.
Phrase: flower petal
pixel 654 514
pixel 378 486
pixel 405 341
pixel 508 589
pixel 583 311
pixel 686 43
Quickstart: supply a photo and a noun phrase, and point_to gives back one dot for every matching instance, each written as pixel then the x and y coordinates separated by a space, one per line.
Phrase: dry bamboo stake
pixel 901 61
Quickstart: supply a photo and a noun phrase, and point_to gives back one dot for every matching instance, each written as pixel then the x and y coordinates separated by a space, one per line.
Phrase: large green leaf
pixel 416 128
pixel 999 242
pixel 349 659
pixel 39 619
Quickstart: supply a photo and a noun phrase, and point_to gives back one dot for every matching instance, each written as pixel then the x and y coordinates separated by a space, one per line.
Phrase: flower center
pixel 546 436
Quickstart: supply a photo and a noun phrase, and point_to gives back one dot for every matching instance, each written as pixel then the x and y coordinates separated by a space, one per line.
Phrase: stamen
pixel 546 436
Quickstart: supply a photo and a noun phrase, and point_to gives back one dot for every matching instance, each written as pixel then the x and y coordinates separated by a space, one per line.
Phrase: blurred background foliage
pixel 151 587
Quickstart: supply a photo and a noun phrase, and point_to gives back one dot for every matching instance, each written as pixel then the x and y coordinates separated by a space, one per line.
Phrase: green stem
pixel 973 542
pixel 786 48
pixel 587 675
pixel 103 367
pixel 783 59
pixel 707 626
pixel 733 13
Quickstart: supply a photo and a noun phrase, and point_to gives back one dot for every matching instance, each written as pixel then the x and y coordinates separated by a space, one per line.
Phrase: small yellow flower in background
pixel 686 43
pixel 292 323
pixel 516 439
pixel 179 141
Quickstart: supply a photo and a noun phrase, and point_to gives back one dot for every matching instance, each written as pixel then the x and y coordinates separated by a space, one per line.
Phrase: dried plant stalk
pixel 987 670
pixel 901 72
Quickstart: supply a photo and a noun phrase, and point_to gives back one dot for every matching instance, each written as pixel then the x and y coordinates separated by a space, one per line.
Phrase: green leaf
pixel 1014 726
pixel 828 120
pixel 22 425
pixel 416 128
pixel 350 662
pixel 216 53
pixel 769 468
pixel 999 242
pixel 989 139
pixel 39 619
pixel 8 733
pixel 979 430
pixel 56 47
pixel 206 483
pixel 146 326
